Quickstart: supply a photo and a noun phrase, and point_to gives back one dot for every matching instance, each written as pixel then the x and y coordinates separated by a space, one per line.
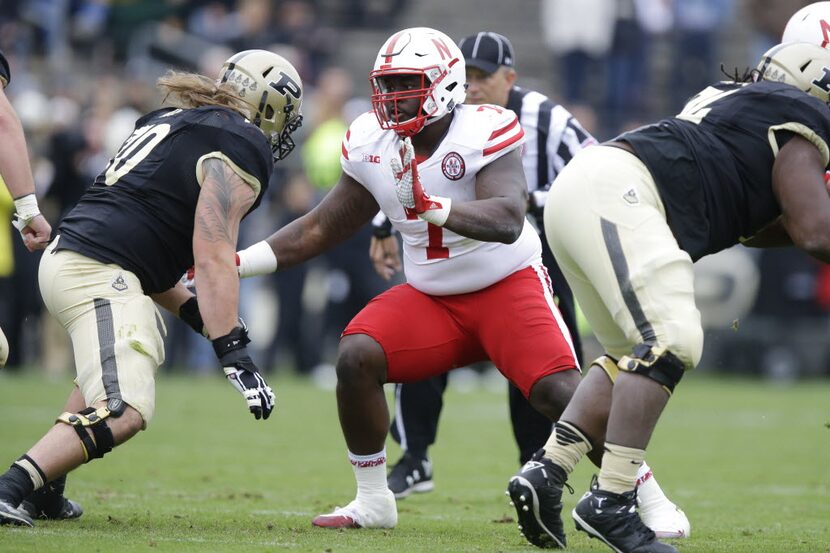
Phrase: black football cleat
pixel 67 509
pixel 49 503
pixel 410 474
pixel 613 519
pixel 536 494
pixel 11 515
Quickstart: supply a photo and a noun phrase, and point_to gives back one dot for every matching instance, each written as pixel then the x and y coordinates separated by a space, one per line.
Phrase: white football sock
pixel 370 472
pixel 644 474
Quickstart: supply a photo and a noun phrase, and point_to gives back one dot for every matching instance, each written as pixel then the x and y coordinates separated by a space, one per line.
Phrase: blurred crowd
pixel 629 62
pixel 84 70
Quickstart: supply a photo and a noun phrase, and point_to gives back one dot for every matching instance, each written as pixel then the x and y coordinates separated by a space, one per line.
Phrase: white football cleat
pixel 376 511
pixel 665 519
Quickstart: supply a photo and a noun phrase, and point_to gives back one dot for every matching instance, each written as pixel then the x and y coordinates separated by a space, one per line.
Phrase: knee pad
pixel 95 420
pixel 609 365
pixel 656 363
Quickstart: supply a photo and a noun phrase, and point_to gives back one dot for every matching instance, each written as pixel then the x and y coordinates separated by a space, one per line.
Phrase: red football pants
pixel 513 323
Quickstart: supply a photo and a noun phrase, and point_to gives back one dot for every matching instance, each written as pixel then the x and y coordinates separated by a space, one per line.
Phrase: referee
pixel 553 137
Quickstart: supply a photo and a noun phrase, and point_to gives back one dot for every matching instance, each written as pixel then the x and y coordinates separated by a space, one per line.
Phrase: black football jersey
pixel 713 162
pixel 5 73
pixel 139 213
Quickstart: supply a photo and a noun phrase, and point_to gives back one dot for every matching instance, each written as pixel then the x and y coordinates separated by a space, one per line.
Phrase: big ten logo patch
pixel 453 166
pixel 369 158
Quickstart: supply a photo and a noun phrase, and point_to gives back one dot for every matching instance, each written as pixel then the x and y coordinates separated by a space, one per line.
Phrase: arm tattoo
pixel 224 199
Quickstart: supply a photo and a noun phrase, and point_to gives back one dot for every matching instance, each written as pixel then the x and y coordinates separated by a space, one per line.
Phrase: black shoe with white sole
pixel 613 519
pixel 536 494
pixel 11 515
pixel 410 474
pixel 49 503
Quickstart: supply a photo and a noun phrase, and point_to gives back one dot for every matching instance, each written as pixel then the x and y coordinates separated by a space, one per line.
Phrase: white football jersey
pixel 438 261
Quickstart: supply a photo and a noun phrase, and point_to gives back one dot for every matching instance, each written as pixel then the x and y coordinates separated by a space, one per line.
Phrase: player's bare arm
pixel 498 213
pixel 798 183
pixel 17 175
pixel 342 212
pixel 173 298
pixel 223 201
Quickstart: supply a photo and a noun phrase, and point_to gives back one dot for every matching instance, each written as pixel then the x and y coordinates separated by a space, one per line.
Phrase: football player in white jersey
pixel 449 176
pixel 809 24
pixel 553 136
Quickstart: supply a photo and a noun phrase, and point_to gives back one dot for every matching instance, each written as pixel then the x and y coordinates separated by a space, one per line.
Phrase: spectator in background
pixel 695 46
pixel 299 334
pixel 124 19
pixel 298 25
pixel 628 71
pixel 257 21
pixel 768 18
pixel 579 48
pixel 627 101
pixel 215 21
pixel 368 13
pixel 352 281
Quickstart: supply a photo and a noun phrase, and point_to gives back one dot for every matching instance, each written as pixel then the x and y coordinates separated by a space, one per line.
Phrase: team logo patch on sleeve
pixel 453 166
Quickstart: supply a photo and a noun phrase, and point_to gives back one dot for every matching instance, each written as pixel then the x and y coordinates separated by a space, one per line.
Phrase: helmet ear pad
pixel 434 57
pixel 272 89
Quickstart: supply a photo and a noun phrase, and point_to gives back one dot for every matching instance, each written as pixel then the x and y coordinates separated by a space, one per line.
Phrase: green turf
pixel 747 461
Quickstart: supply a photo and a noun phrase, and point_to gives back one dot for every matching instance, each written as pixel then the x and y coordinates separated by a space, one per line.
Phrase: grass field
pixel 748 462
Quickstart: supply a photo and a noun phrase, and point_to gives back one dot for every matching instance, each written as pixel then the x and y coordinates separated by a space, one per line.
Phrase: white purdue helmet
pixel 270 85
pixel 434 57
pixel 809 24
pixel 805 66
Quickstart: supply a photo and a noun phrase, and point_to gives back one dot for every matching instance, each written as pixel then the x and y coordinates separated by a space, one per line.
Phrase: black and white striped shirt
pixel 552 137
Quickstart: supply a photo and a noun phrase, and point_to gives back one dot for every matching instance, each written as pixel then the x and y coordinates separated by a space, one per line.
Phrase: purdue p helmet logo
pixel 823 83
pixel 803 65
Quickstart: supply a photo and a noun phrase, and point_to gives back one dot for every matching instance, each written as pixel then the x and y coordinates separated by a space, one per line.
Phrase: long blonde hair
pixel 191 90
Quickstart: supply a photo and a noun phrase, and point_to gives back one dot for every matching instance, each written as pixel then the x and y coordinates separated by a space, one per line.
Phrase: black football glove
pixel 243 374
pixel 189 313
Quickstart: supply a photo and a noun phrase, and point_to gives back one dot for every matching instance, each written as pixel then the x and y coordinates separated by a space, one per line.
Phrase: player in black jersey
pixel 742 163
pixel 174 194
